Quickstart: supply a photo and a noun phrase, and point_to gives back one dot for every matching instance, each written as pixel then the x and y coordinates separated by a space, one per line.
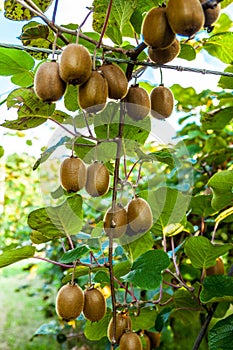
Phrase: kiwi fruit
pixel 217 269
pixel 94 305
pixel 156 30
pixel 162 102
pixel 146 344
pixel 116 79
pixel 49 87
pixel 73 174
pixel 185 17
pixel 211 14
pixel 130 341
pixel 97 183
pixel 75 64
pixel 137 102
pixel 162 56
pixel 155 339
pixel 69 302
pixel 123 323
pixel 93 94
pixel 140 216
pixel 115 221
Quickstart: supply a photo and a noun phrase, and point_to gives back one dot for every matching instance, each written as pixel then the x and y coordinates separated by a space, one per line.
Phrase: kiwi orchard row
pixel 136 218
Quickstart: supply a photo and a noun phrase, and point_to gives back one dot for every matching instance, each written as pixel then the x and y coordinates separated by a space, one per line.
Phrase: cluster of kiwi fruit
pixel 75 175
pixel 161 25
pixel 135 218
pixel 76 68
pixel 124 336
pixel 96 86
pixel 71 301
pixel 159 104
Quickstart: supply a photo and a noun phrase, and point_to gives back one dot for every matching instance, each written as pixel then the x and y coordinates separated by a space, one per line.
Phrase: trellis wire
pixel 121 60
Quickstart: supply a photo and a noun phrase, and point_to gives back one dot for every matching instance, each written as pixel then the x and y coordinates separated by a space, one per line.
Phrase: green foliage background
pixel 188 185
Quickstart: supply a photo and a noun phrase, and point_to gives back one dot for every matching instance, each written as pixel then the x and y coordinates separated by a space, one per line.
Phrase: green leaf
pixel 226 82
pixel 37 237
pixel 46 154
pixel 52 328
pixel 75 254
pixel 31 110
pixel 119 21
pixel 137 247
pixel 121 268
pixel 145 320
pixel 187 52
pixel 1 151
pixel 201 205
pixel 35 34
pixel 217 288
pixel 24 79
pixel 220 46
pixel 218 120
pixel 17 12
pixel 97 330
pixel 23 123
pixel 163 156
pixel 202 252
pixel 71 98
pixel 13 61
pixel 60 221
pixel 13 255
pixel 221 184
pixel 169 210
pixel 220 336
pixel 186 307
pixel 146 270
pixel 224 22
pixel 187 97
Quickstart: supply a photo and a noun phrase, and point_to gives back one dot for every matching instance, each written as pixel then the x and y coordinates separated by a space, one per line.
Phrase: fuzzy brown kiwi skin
pixel 137 102
pixel 123 323
pixel 115 221
pixel 162 56
pixel 49 87
pixel 140 216
pixel 93 94
pixel 73 174
pixel 211 14
pixel 217 269
pixel 156 29
pixel 162 102
pixel 130 341
pixel 97 183
pixel 69 302
pixel 75 64
pixel 185 17
pixel 116 79
pixel 94 305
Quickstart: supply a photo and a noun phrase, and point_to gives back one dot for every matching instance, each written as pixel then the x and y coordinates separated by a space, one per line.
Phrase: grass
pixel 21 311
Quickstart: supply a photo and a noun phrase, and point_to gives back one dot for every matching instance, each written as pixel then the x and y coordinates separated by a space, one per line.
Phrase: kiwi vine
pixel 97 79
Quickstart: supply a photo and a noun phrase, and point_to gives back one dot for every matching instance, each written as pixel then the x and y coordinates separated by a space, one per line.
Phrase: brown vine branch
pixel 204 327
pixel 105 24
